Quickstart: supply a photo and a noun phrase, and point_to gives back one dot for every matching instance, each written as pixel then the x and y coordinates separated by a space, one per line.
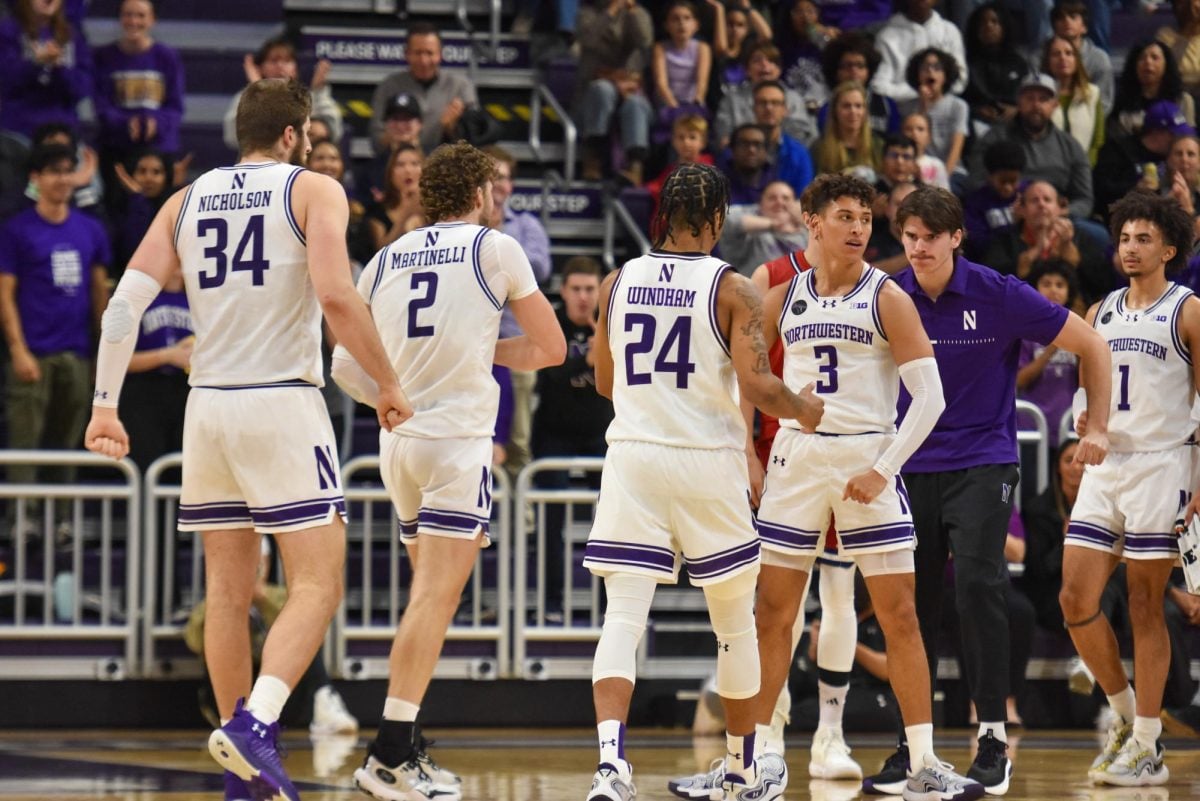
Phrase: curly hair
pixel 449 178
pixel 1163 211
pixel 848 43
pixel 827 188
pixel 912 73
pixel 695 197
pixel 974 44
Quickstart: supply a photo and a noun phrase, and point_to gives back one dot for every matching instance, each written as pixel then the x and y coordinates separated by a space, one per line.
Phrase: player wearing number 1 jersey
pixel 262 249
pixel 1128 506
pixel 679 334
pixel 436 295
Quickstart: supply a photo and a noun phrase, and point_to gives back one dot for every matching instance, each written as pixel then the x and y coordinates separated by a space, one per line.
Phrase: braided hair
pixel 695 196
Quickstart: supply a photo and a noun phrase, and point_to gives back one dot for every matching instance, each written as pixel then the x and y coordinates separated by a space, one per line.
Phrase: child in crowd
pixel 681 64
pixel 989 209
pixel 147 187
pixel 1047 376
pixel 932 169
pixel 688 135
pixel 930 72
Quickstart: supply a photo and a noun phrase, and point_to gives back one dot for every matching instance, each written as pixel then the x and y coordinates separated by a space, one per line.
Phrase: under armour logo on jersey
pixel 828 303
pixel 722 646
pixel 799 307
pixel 666 272
pixel 969 322
pixel 779 460
pixel 239 180
pixel 431 238
pixel 1107 317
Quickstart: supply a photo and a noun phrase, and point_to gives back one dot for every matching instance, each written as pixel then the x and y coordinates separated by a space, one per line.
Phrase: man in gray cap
pixel 1051 154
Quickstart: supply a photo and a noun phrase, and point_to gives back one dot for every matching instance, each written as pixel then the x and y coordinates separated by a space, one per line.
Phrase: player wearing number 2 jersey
pixel 262 249
pixel 679 333
pixel 436 295
pixel 1128 506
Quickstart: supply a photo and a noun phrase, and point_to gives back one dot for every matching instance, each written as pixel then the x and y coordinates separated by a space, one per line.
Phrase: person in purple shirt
pixel 53 288
pixel 527 229
pixel 962 480
pixel 47 67
pixel 139 88
pixel 156 391
pixel 1048 377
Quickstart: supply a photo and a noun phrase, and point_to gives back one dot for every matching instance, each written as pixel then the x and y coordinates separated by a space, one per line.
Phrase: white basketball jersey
pixel 673 381
pixel 1152 372
pixel 839 343
pixel 436 295
pixel 245 268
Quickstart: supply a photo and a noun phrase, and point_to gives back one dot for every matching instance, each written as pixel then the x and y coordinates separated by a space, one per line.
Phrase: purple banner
pixel 386 48
pixel 573 204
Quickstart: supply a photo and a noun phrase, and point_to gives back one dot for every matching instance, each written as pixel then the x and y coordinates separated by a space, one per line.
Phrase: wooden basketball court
pixel 516 765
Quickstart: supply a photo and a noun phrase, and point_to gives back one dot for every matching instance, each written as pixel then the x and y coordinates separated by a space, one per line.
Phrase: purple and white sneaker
pixel 247 747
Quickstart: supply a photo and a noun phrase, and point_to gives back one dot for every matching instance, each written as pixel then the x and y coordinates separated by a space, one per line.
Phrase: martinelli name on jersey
pixel 428 258
pixel 1136 345
pixel 850 333
pixel 234 201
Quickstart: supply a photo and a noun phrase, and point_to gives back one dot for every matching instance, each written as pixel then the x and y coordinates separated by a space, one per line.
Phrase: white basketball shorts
pixel 440 487
pixel 806 476
pixel 662 506
pixel 1128 504
pixel 259 457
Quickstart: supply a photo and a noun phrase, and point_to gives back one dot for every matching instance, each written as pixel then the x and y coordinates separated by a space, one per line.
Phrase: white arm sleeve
pixel 350 376
pixel 921 379
pixel 118 334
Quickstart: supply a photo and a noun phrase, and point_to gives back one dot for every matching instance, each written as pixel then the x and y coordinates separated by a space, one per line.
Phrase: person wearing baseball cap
pixel 401 126
pixel 1137 160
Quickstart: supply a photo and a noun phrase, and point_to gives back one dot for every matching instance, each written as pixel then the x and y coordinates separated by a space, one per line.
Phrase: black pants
pixel 548 444
pixel 965 513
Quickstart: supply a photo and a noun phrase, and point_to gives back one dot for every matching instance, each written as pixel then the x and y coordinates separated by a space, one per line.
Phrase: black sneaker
pixel 893 777
pixel 992 768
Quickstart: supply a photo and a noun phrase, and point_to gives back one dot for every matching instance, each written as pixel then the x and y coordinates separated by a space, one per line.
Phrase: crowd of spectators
pixel 1022 116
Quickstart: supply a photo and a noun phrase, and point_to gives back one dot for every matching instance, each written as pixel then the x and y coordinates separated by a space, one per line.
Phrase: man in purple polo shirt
pixel 962 480
pixel 53 274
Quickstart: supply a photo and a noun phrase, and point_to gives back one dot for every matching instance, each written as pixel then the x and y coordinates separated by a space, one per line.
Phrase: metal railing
pixel 616 211
pixel 366 622
pixel 1040 437
pixel 71 592
pixel 542 94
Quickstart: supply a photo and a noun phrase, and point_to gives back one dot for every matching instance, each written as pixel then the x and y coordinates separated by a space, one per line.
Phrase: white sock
pixel 997 730
pixel 739 756
pixel 267 698
pixel 833 705
pixel 612 744
pixel 1124 704
pixel 400 710
pixel 920 745
pixel 1147 731
pixel 763 743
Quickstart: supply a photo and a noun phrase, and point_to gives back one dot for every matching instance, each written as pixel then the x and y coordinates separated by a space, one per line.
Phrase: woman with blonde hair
pixel 848 141
pixel 1079 110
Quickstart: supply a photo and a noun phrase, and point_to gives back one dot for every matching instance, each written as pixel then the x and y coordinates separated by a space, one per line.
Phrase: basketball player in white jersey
pixel 436 295
pixel 1128 506
pixel 680 333
pixel 847 326
pixel 262 248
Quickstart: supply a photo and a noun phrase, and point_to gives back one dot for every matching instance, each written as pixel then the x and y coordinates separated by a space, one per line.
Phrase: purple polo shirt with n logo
pixel 976 327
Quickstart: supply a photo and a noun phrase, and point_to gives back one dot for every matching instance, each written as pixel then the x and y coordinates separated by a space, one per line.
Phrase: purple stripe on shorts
pixel 1087 531
pixel 1150 542
pixel 790 537
pixel 449 521
pixel 311 510
pixel 622 553
pixel 723 562
pixel 213 513
pixel 878 536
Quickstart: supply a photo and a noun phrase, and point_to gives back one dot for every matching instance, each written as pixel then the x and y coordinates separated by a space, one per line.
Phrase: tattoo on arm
pixel 752 328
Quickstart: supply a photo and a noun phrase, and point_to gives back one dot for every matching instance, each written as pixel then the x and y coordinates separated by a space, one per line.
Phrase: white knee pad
pixel 625 616
pixel 839 623
pixel 731 609
pixel 886 563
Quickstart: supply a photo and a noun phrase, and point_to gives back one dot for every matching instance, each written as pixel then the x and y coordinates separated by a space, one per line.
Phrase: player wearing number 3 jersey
pixel 1128 506
pixel 261 246
pixel 436 295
